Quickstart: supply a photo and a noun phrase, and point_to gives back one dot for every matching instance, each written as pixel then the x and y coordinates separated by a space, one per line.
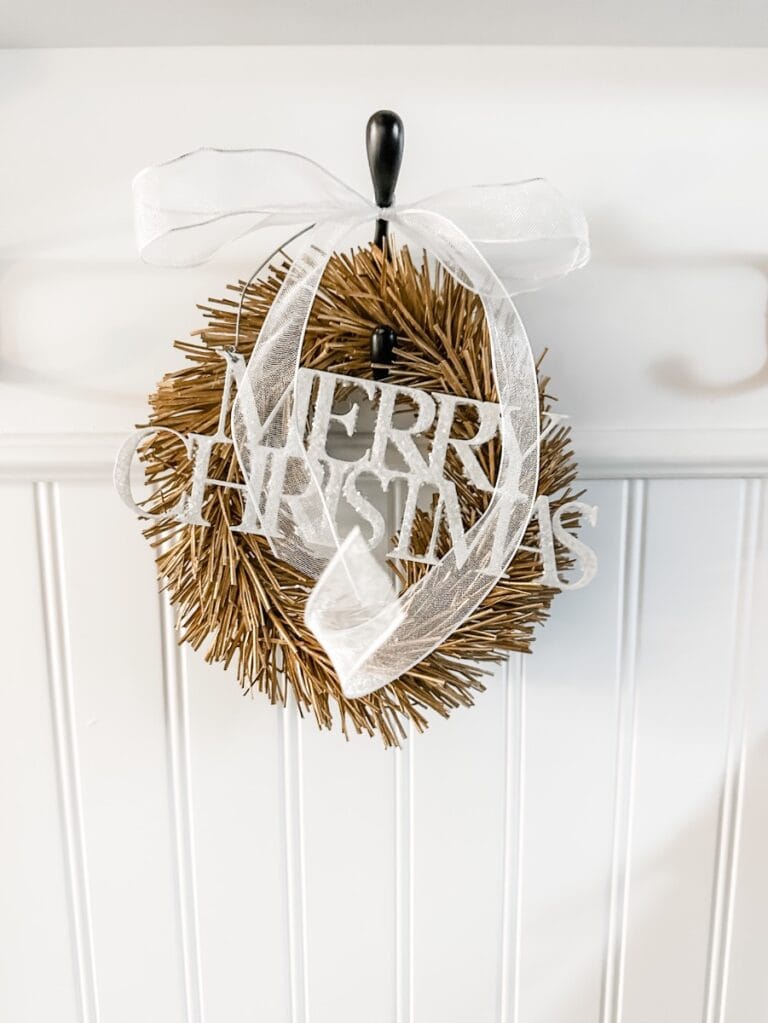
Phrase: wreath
pixel 244 606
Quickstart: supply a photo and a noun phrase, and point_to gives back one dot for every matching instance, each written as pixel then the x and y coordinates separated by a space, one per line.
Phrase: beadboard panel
pixel 457 811
pixel 235 767
pixel 350 870
pixel 684 688
pixel 119 715
pixel 586 845
pixel 39 853
pixel 739 987
pixel 566 748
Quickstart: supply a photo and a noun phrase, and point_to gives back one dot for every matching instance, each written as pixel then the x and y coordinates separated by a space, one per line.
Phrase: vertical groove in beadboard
pixel 404 889
pixel 404 849
pixel 177 734
pixel 51 560
pixel 512 871
pixel 729 826
pixel 630 585
pixel 293 820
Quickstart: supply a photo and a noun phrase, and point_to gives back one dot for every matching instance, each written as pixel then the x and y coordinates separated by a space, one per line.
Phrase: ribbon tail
pixel 353 610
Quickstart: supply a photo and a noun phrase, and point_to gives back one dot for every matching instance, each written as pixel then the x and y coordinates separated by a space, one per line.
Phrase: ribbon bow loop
pixel 526 230
pixel 190 207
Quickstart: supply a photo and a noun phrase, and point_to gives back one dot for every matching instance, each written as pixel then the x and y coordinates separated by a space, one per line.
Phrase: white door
pixel 586 845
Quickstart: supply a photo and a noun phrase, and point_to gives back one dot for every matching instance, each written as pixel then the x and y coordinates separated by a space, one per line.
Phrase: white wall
pixel 585 845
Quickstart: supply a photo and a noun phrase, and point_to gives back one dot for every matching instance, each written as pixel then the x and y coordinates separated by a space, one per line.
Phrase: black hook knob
pixel 383 341
pixel 384 142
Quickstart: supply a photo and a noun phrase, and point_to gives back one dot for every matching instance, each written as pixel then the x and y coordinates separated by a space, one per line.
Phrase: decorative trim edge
pixel 602 454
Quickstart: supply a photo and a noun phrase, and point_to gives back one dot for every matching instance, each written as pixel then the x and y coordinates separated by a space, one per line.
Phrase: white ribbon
pixel 523 234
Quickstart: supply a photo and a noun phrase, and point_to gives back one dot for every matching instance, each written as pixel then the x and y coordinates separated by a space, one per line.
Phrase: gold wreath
pixel 229 589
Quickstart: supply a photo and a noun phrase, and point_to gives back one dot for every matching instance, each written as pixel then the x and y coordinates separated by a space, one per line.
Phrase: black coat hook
pixel 384 141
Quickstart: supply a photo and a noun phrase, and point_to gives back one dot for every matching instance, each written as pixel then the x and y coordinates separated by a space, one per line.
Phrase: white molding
pixel 54 457
pixel 602 454
pixel 622 454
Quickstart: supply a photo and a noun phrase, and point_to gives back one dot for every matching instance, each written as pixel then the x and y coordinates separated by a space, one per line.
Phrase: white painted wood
pixel 665 150
pixel 685 691
pixel 241 867
pixel 348 826
pixel 732 786
pixel 177 732
pixel 633 543
pixel 119 717
pixel 295 865
pixel 512 864
pixel 739 980
pixel 571 716
pixel 458 848
pixel 404 881
pixel 60 676
pixel 547 823
pixel 36 897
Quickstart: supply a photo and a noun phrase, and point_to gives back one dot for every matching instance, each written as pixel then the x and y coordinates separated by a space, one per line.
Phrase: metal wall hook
pixel 384 143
